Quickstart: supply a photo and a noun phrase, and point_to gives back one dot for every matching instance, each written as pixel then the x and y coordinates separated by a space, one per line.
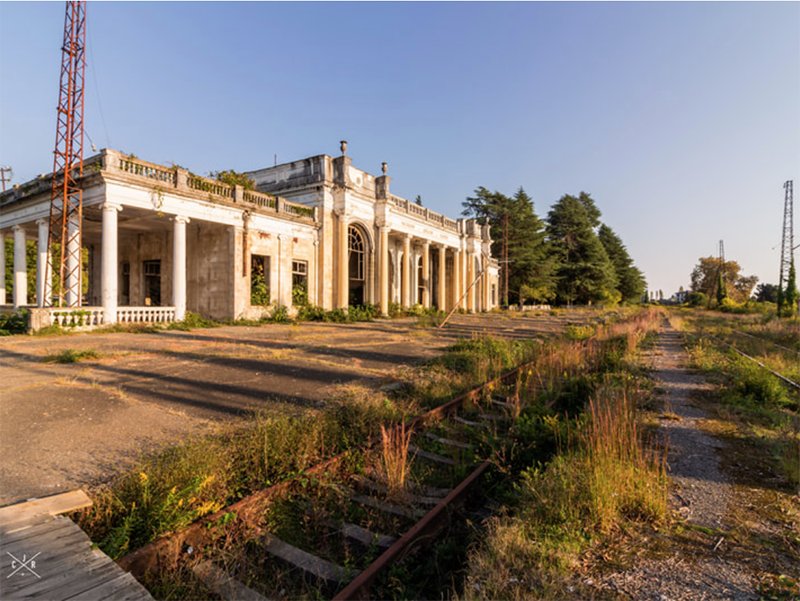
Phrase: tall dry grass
pixel 395 464
pixel 605 475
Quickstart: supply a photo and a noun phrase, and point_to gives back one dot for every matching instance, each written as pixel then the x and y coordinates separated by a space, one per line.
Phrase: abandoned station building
pixel 162 241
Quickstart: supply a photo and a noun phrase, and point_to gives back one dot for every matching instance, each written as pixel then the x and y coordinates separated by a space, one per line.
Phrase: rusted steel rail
pixel 427 527
pixel 165 550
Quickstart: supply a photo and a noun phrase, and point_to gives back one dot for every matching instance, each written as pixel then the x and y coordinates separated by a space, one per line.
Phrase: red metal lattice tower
pixel 787 242
pixel 66 199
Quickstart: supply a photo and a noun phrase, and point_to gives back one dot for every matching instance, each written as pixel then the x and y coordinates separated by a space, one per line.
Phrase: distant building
pixel 162 241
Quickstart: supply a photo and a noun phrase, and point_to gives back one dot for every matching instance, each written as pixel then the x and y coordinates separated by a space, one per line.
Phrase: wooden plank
pixel 66 566
pixel 53 505
pixel 33 536
pixel 311 564
pixel 123 587
pixel 64 585
pixel 224 585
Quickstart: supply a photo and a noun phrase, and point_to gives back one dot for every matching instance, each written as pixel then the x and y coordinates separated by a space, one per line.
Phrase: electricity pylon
pixel 66 199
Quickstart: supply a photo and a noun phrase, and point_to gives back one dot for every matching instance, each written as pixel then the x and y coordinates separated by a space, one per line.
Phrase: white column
pixel 456 276
pixel 343 287
pixel 42 262
pixel 383 249
pixel 406 299
pixel 178 267
pixel 109 277
pixel 470 280
pixel 20 268
pixel 3 272
pixel 73 275
pixel 426 274
pixel 442 304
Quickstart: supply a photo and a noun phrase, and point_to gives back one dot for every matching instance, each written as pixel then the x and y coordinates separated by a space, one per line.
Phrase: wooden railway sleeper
pixel 410 497
pixel 309 563
pixel 223 584
pixel 362 536
pixel 447 441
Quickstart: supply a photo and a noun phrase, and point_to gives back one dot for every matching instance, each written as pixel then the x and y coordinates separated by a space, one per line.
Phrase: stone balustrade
pixel 413 208
pixel 145 314
pixel 181 179
pixel 88 318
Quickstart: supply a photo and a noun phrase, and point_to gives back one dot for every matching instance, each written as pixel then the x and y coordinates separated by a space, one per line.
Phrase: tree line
pixel 570 257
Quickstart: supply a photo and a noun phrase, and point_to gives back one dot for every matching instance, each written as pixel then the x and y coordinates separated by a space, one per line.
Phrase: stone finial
pixel 343 147
pixel 384 168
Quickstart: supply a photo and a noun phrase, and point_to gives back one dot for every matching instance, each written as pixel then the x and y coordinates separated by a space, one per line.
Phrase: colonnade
pixel 109 278
pixel 451 284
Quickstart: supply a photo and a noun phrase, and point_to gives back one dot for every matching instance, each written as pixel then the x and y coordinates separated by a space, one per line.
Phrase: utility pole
pixel 3 171
pixel 66 198
pixel 787 242
pixel 505 259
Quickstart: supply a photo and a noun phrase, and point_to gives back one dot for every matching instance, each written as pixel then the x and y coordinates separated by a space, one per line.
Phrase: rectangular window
pixel 299 282
pixel 152 283
pixel 259 280
pixel 125 283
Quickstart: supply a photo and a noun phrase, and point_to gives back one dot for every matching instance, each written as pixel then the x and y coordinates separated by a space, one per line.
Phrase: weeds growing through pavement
pixel 72 356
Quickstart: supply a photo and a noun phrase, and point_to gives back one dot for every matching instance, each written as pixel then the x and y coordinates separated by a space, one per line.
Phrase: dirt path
pixel 725 546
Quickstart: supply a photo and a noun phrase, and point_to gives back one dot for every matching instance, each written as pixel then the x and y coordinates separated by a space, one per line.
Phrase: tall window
pixel 152 283
pixel 259 280
pixel 356 256
pixel 299 282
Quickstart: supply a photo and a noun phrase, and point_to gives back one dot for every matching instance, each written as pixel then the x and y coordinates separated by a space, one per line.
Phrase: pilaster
pixel 20 268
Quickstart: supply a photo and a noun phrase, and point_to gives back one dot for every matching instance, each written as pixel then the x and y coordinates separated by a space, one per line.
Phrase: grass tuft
pixel 72 356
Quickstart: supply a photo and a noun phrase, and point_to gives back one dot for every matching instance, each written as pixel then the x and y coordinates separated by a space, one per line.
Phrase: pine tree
pixel 722 291
pixel 585 272
pixel 630 279
pixel 530 265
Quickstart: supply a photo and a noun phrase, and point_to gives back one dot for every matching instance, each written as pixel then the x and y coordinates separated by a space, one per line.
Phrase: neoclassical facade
pixel 160 241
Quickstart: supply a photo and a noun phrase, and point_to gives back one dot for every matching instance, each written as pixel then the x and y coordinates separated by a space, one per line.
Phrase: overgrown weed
pixel 72 356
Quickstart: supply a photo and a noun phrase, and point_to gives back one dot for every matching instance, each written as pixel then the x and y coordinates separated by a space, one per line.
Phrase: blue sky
pixel 681 119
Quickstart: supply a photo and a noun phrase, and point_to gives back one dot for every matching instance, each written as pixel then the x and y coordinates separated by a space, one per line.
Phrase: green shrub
pixel 14 323
pixel 192 321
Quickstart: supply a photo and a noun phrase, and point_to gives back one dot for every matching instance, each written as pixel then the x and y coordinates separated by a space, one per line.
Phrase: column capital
pixel 43 221
pixel 112 206
pixel 18 228
pixel 180 219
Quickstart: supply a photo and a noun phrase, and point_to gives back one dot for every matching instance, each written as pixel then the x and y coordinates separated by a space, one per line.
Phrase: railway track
pixel 340 527
pixel 348 528
pixel 786 380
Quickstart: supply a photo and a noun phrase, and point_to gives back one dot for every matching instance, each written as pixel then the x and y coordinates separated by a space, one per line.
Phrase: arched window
pixel 356 254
